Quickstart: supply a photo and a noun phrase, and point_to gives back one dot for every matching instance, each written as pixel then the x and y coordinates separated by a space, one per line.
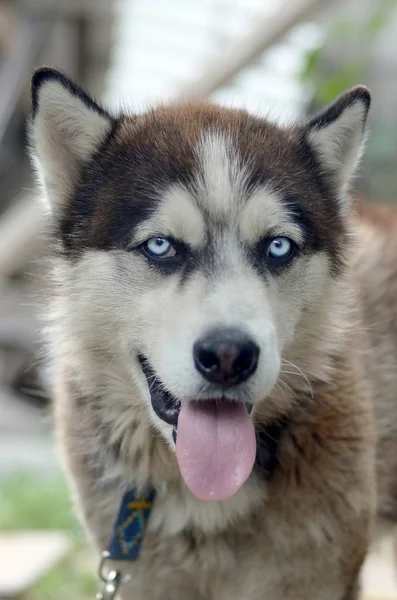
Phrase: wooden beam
pixel 269 30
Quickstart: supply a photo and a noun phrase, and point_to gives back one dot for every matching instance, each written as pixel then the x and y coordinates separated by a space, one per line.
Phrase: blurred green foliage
pixel 30 502
pixel 325 78
pixel 328 81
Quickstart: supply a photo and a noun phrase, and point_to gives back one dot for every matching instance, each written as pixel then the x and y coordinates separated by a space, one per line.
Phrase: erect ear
pixel 337 135
pixel 67 128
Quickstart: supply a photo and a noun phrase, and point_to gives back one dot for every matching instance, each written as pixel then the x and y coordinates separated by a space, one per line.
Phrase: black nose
pixel 226 356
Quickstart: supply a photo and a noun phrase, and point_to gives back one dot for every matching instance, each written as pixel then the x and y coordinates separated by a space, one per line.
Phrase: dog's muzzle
pixel 164 404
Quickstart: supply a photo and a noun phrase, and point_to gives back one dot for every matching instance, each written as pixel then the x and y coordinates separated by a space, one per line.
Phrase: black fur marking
pixel 317 208
pixel 203 260
pixel 120 189
pixel 303 220
pixel 84 227
pixel 334 111
pixel 190 266
pixel 44 74
pixel 164 405
pixel 124 183
pixel 268 438
pixel 81 209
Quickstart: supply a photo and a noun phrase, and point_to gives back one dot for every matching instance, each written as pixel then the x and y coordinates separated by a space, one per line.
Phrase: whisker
pixel 305 377
pixel 288 387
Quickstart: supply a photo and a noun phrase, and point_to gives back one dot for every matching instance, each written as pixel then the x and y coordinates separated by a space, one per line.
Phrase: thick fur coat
pixel 222 190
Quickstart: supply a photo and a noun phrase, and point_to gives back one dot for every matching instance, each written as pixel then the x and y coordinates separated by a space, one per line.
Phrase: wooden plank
pixel 243 52
pixel 26 556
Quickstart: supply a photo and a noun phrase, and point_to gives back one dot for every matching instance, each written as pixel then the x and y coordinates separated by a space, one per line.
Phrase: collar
pixel 126 541
pixel 129 528
pixel 130 525
pixel 135 509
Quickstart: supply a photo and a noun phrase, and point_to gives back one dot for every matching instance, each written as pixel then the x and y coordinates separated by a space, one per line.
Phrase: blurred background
pixel 285 58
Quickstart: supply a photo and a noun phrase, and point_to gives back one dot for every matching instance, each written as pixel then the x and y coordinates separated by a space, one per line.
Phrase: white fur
pixel 177 509
pixel 340 144
pixel 264 212
pixel 178 217
pixel 113 306
pixel 221 177
pixel 133 307
pixel 66 133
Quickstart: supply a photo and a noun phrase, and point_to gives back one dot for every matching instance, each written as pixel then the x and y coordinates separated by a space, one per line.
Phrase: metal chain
pixel 111 580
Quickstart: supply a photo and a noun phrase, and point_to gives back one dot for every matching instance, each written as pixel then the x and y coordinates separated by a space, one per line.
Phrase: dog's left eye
pixel 159 247
pixel 281 248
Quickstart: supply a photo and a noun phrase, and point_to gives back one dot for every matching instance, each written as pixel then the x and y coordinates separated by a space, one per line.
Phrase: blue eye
pixel 159 247
pixel 281 247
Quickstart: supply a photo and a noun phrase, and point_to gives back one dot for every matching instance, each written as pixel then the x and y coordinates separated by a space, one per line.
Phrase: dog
pixel 223 329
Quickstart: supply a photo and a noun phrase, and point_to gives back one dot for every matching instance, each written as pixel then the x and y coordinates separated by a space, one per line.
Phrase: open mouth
pixel 166 407
pixel 215 439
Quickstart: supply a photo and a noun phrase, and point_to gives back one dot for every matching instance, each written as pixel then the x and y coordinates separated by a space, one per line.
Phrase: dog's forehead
pixel 195 164
pixel 211 157
pixel 220 192
pixel 208 145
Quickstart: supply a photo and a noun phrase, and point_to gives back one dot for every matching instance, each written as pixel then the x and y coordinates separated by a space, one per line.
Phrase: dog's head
pixel 196 241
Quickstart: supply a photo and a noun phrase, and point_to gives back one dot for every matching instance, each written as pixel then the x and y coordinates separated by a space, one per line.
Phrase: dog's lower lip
pixel 164 405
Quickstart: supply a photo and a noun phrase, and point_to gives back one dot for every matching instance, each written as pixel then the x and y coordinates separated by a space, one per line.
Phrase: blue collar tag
pixel 130 525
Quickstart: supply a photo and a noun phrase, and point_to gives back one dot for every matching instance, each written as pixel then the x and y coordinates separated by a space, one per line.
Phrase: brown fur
pixel 300 529
pixel 376 276
pixel 166 137
pixel 310 534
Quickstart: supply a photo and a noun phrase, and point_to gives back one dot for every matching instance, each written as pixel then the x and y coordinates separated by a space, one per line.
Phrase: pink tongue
pixel 215 448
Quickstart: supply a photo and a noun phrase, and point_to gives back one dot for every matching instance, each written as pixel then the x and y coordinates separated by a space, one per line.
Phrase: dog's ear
pixel 337 135
pixel 67 128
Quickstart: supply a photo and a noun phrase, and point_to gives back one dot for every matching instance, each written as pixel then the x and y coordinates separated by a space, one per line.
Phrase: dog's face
pixel 195 239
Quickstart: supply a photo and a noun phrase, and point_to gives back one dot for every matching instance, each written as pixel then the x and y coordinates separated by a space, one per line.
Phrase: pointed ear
pixel 337 135
pixel 67 128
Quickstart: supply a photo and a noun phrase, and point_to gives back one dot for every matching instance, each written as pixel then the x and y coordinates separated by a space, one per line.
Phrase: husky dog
pixel 223 327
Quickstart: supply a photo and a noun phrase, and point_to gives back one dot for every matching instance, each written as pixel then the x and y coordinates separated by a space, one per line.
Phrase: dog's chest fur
pixel 220 187
pixel 212 550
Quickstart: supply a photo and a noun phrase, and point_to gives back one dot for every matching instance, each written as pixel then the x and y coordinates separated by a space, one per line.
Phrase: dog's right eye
pixel 159 247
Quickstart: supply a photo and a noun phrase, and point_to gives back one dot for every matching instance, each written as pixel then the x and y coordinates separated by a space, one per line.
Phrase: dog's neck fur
pixel 303 188
pixel 133 454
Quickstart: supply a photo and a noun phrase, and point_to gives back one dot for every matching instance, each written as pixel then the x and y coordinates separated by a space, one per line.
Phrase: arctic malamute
pixel 223 330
